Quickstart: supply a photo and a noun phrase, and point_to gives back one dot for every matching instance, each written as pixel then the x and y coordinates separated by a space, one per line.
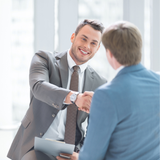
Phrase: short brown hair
pixel 124 41
pixel 93 23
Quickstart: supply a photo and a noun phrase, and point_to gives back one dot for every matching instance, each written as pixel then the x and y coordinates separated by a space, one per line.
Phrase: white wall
pixel 155 35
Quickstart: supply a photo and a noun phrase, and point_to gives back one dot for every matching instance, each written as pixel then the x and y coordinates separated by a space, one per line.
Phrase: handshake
pixel 83 100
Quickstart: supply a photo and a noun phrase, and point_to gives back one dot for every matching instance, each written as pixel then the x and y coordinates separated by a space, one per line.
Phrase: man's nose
pixel 87 45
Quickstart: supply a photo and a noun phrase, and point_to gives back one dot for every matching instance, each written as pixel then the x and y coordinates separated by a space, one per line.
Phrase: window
pixel 16 47
pixel 22 50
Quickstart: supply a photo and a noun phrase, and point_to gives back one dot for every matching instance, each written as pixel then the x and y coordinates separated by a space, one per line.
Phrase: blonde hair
pixel 124 41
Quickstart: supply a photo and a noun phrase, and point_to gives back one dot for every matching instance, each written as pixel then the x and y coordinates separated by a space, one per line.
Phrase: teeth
pixel 84 52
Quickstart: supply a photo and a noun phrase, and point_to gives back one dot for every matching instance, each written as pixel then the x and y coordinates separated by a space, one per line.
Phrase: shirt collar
pixel 118 69
pixel 71 63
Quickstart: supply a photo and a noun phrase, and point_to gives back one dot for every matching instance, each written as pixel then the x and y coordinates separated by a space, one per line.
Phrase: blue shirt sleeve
pixel 102 122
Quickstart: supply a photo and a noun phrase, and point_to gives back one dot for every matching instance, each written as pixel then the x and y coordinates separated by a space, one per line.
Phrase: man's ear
pixel 72 37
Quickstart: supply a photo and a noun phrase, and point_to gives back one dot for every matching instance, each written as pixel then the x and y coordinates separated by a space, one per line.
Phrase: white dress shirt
pixel 118 69
pixel 56 130
pixel 116 72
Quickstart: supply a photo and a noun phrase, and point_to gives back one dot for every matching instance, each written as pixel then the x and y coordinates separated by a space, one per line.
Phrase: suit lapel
pixel 81 116
pixel 88 85
pixel 63 68
pixel 88 80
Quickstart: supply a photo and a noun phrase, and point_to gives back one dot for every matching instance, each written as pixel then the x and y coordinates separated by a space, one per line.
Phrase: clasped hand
pixel 83 101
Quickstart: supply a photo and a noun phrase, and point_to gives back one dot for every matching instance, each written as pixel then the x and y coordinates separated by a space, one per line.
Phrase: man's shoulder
pixel 49 54
pixel 59 55
pixel 96 75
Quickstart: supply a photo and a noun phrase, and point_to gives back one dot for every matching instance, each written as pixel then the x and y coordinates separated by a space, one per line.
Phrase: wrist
pixel 73 97
pixel 67 99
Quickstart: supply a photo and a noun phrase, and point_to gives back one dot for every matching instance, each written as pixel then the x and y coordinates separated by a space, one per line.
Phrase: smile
pixel 84 52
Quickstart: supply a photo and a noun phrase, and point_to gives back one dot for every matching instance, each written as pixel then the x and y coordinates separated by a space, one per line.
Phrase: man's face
pixel 85 44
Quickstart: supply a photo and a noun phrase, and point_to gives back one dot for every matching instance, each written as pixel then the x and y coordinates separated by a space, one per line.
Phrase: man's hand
pixel 74 156
pixel 83 101
pixel 88 93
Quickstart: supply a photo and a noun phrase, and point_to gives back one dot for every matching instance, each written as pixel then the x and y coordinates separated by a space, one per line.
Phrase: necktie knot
pixel 76 68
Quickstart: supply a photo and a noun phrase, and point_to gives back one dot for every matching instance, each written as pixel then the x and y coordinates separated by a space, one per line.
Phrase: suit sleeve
pixel 41 88
pixel 102 122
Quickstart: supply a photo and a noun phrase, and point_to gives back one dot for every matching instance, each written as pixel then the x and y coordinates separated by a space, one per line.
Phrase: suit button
pixel 54 105
pixel 53 115
pixel 41 134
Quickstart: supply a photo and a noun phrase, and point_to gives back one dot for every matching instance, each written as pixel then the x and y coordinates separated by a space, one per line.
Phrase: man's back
pixel 124 117
pixel 137 103
pixel 127 110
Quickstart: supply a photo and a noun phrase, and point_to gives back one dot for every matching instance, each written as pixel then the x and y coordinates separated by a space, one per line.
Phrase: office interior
pixel 27 26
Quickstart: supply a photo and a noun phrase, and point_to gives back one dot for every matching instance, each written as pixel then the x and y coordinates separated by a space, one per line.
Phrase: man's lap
pixel 37 155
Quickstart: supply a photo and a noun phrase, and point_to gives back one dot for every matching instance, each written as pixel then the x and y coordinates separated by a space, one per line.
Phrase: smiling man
pixel 85 44
pixel 53 97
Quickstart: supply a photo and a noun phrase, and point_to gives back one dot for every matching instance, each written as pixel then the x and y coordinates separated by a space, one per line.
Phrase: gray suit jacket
pixel 48 80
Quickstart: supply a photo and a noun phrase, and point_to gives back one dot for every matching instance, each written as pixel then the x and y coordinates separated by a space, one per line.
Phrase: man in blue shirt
pixel 125 113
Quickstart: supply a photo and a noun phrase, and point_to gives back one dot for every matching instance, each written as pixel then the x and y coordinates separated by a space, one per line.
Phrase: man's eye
pixel 94 43
pixel 83 39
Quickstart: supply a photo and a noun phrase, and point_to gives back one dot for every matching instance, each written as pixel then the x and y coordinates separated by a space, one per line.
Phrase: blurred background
pixel 27 26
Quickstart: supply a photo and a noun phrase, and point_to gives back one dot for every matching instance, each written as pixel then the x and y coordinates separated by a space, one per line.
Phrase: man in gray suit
pixel 50 76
